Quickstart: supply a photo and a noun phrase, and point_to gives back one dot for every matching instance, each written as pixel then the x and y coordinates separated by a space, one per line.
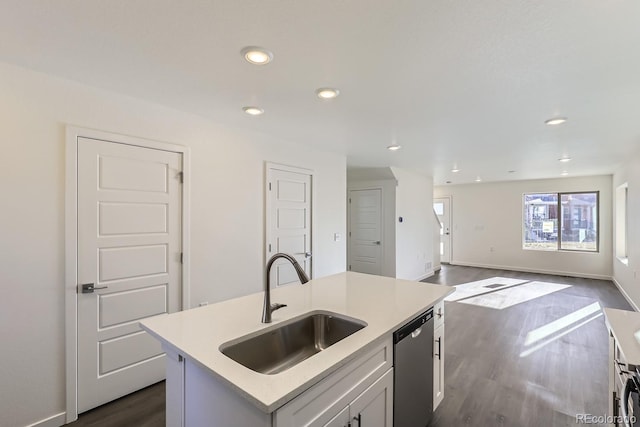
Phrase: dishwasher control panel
pixel 412 326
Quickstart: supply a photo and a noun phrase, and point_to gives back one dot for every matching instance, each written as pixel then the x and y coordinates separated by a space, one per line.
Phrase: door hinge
pixel 349 200
pixel 181 177
pixel 349 268
pixel 269 186
pixel 269 247
pixel 349 234
pixel 181 257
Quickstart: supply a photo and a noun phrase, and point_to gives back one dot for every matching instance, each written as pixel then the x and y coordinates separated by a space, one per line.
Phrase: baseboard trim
pixel 425 276
pixel 533 270
pixel 53 421
pixel 625 294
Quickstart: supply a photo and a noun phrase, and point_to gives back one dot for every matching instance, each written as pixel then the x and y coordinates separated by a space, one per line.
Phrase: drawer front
pixel 323 401
pixel 438 314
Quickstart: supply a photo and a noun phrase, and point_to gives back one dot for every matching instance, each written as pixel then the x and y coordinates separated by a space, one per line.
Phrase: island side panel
pixel 210 403
pixel 174 388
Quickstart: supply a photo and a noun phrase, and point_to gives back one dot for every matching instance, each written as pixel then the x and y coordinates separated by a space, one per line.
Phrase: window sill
pixel 566 251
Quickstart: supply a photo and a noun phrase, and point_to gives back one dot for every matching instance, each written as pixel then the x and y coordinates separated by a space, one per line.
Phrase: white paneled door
pixel 442 208
pixel 129 264
pixel 365 231
pixel 288 221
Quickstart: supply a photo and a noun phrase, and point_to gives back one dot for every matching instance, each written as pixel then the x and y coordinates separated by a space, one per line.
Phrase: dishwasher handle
pixel 411 328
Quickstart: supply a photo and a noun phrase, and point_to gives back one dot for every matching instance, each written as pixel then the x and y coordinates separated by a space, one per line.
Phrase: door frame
pixel 268 166
pixel 450 215
pixel 71 242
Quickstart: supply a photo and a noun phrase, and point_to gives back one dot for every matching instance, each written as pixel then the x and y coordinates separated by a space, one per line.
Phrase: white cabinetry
pixel 438 354
pixel 340 420
pixel 438 366
pixel 363 387
pixel 438 314
pixel 373 408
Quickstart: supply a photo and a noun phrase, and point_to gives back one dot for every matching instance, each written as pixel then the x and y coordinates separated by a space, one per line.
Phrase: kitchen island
pixel 205 387
pixel 624 359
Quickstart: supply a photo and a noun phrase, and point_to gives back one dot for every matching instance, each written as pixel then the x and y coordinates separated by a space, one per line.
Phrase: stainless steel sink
pixel 279 349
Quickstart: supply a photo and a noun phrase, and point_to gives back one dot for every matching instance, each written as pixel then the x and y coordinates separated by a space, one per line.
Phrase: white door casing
pixel 129 219
pixel 365 231
pixel 288 220
pixel 442 208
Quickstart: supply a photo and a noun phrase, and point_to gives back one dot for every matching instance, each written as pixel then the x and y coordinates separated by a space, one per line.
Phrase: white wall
pixel 627 276
pixel 414 236
pixel 226 221
pixel 489 216
pixel 388 187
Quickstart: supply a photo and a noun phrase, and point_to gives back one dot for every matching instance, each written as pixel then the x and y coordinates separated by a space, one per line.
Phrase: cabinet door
pixel 340 420
pixel 374 407
pixel 438 366
pixel 438 314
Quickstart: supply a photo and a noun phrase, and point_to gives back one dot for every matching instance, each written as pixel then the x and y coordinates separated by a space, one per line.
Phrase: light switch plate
pixel 337 237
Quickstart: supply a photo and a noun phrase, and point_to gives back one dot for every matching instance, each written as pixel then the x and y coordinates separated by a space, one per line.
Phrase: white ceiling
pixel 454 82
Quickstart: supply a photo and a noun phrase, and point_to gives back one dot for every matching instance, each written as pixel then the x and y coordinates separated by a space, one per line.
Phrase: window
pixel 561 221
pixel 622 194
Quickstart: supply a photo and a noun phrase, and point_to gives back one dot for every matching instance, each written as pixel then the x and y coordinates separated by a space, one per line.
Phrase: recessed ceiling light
pixel 327 93
pixel 455 170
pixel 478 179
pixel 555 121
pixel 564 159
pixel 256 55
pixel 564 173
pixel 394 147
pixel 253 111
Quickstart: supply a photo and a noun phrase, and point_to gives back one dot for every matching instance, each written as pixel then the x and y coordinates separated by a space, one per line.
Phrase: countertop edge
pixel 622 341
pixel 271 405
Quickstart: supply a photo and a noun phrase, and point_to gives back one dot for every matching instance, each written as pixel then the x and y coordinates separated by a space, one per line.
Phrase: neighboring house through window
pixel 561 221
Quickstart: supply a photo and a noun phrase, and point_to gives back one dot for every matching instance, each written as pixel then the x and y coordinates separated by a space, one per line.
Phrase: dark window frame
pixel 560 220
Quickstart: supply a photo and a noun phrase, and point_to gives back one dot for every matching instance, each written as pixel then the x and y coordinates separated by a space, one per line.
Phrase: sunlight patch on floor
pixel 479 287
pixel 560 327
pixel 561 323
pixel 502 292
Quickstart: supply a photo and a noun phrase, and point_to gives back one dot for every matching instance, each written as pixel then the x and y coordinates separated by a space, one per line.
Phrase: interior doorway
pixel 365 231
pixel 442 209
pixel 126 241
pixel 289 194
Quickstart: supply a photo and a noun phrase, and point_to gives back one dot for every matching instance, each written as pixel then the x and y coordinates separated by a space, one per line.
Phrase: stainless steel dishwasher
pixel 413 372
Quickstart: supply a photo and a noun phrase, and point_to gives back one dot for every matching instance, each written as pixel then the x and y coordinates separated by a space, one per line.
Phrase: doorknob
pixel 88 288
pixel 307 254
pixel 377 242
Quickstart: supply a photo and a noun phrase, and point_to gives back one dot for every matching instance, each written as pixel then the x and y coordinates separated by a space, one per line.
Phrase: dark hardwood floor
pixel 487 382
pixel 491 381
pixel 144 408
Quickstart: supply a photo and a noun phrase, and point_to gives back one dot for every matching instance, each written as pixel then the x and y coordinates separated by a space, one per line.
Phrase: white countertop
pixel 383 303
pixel 625 327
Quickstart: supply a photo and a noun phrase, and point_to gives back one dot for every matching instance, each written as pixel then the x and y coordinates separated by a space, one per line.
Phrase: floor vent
pixel 495 285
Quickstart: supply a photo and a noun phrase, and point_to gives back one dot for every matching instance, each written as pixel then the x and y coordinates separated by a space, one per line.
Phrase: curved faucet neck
pixel 268 308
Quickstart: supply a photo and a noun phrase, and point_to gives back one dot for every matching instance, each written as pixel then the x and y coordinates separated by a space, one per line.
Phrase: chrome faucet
pixel 269 308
